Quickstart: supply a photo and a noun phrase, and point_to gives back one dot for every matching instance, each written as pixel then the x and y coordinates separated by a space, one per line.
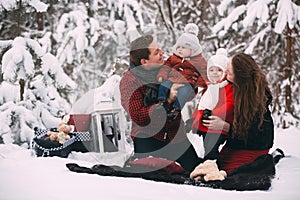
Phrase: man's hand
pixel 173 92
pixel 160 79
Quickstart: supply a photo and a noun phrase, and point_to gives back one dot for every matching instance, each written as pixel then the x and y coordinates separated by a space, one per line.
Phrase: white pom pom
pixel 191 28
pixel 221 51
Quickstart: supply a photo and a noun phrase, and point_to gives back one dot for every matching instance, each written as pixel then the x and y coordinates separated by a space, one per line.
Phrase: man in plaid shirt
pixel 154 132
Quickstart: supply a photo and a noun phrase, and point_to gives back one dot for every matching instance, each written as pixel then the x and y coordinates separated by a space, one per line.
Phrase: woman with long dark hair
pixel 252 129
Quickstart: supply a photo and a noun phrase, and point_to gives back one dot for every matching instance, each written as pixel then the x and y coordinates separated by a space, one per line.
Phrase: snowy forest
pixel 52 52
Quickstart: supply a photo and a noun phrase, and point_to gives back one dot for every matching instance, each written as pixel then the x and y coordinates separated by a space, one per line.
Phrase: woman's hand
pixel 216 123
pixel 173 92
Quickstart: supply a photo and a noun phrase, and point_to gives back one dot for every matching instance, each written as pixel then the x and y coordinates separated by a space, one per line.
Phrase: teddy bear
pixel 60 137
pixel 208 171
pixel 63 132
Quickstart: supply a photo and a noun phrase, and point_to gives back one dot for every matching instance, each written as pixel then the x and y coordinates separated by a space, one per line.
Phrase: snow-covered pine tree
pixel 269 31
pixel 91 35
pixel 29 88
pixel 38 88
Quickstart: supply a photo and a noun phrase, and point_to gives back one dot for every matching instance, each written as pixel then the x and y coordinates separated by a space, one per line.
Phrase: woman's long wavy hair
pixel 250 88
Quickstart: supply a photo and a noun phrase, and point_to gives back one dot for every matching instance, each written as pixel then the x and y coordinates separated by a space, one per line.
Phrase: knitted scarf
pixel 148 78
pixel 210 97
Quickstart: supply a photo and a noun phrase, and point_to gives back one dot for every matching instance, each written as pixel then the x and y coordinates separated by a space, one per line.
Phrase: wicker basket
pixel 47 148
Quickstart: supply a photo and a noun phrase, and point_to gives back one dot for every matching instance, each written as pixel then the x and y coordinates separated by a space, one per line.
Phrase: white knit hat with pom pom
pixel 189 39
pixel 210 97
pixel 219 60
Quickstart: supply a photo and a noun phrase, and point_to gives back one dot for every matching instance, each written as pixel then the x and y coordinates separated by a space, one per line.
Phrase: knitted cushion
pixel 158 163
pixel 80 121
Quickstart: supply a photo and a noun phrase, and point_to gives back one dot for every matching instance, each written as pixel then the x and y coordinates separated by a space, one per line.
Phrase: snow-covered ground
pixel 26 177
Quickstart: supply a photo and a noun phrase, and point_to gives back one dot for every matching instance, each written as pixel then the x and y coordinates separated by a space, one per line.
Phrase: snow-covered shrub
pixel 17 124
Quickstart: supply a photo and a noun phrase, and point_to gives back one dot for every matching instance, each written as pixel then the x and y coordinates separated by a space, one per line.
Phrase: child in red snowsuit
pixel 181 67
pixel 216 100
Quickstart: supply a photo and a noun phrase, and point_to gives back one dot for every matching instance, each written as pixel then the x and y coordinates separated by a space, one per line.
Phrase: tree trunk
pixel 19 16
pixel 40 21
pixel 169 5
pixel 169 26
pixel 22 89
pixel 288 71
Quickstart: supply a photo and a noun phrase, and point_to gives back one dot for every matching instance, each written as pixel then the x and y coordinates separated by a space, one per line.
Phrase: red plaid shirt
pixel 147 119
